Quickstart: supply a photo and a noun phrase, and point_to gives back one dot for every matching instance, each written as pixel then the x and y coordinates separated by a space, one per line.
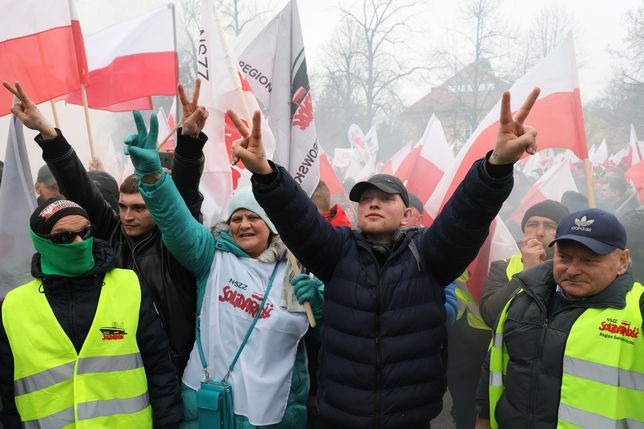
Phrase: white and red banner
pixel 551 186
pixel 223 87
pixel 166 124
pixel 433 159
pixel 600 155
pixel 635 175
pixel 393 164
pixel 634 153
pixel 17 202
pixel 275 66
pixel 365 144
pixel 618 157
pixel 342 157
pixel 556 115
pixel 329 176
pixel 41 46
pixel 500 244
pixel 131 61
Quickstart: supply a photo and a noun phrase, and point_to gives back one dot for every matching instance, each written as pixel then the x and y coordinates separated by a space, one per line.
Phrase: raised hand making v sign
pixel 28 113
pixel 194 116
pixel 513 139
pixel 379 269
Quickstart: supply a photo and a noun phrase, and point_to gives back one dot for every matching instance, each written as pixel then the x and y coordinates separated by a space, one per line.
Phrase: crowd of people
pixel 138 315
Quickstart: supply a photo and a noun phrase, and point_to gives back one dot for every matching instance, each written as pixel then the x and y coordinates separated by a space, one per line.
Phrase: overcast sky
pixel 599 28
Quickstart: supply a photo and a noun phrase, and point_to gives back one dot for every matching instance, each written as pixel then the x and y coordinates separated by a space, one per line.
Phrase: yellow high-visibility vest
pixel 467 302
pixel 603 370
pixel 515 265
pixel 103 386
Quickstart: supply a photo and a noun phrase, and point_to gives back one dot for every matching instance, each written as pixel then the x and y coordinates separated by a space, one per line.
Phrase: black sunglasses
pixel 67 237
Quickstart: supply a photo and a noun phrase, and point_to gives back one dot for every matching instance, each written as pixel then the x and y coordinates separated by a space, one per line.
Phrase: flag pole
pixel 54 112
pixel 588 172
pixel 87 122
pixel 176 68
pixel 232 68
pixel 296 270
pixel 170 134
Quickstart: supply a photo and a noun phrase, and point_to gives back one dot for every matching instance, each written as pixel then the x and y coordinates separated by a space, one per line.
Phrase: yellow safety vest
pixel 515 265
pixel 103 386
pixel 603 370
pixel 467 301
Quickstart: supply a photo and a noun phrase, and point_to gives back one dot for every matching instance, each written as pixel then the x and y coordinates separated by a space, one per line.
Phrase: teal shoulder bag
pixel 215 398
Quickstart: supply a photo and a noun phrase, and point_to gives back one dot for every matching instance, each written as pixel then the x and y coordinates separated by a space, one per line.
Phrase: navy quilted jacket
pixel 383 357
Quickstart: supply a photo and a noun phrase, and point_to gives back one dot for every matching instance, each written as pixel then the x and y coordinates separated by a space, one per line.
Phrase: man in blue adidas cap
pixel 570 337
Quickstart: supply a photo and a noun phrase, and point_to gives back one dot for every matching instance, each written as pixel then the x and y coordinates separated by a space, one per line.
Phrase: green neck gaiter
pixel 65 260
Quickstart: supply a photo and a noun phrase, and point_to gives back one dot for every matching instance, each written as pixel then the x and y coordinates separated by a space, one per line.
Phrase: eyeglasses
pixel 67 237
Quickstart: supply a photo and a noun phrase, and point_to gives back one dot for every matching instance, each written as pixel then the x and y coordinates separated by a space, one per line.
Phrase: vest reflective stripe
pixel 605 374
pixel 44 379
pixel 498 364
pixel 53 421
pixel 90 410
pixel 589 420
pixel 603 371
pixel 107 384
pixel 109 363
pixel 515 265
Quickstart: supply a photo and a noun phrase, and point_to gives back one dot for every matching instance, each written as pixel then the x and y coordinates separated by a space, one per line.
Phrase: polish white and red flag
pixel 166 124
pixel 393 164
pixel 634 153
pixel 131 61
pixel 557 116
pixel 223 87
pixel 635 175
pixel 499 244
pixel 41 46
pixel 274 63
pixel 329 176
pixel 551 186
pixel 600 155
pixel 433 159
pixel 618 157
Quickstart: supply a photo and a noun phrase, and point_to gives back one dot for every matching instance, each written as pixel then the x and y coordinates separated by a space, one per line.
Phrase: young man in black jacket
pixel 82 341
pixel 133 234
pixel 382 361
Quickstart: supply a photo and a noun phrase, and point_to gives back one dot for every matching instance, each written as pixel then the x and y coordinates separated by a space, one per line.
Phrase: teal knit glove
pixel 142 147
pixel 309 289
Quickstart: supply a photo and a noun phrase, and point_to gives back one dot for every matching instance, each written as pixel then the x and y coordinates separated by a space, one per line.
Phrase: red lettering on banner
pixel 304 114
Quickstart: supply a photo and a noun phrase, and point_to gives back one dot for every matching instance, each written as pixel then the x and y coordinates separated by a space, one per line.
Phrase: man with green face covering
pixel 82 343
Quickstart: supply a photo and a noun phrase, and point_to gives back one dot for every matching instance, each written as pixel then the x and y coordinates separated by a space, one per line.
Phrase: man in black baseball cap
pixel 382 359
pixel 385 182
pixel 383 204
pixel 578 318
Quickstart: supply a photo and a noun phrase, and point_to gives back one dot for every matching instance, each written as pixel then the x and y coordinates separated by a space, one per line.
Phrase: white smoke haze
pixel 432 26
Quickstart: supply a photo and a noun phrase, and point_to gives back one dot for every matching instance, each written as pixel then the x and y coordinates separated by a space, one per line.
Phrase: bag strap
pixel 202 356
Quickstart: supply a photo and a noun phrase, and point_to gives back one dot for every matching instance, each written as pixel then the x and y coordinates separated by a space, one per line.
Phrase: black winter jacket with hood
pixel 74 302
pixel 382 362
pixel 173 287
